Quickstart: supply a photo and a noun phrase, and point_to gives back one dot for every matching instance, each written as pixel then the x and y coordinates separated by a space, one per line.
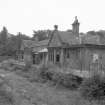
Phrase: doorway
pixel 57 58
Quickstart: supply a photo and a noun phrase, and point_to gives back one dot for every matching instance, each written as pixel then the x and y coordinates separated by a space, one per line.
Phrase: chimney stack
pixel 75 27
pixel 55 27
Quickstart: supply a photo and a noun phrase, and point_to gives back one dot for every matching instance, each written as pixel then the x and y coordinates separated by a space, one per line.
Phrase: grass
pixel 6 96
pixel 39 94
pixel 2 58
pixel 28 93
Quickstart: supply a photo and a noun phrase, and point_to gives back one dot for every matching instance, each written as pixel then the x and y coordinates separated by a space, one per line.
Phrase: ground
pixel 27 93
pixel 35 93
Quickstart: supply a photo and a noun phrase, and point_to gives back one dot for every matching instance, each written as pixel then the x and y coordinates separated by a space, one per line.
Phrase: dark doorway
pixel 34 59
pixel 57 58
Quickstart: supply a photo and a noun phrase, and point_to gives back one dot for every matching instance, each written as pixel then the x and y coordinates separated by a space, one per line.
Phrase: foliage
pixel 41 34
pixel 6 95
pixel 91 32
pixel 93 88
pixel 100 32
pixel 67 80
pixel 69 30
pixel 44 74
pixel 3 35
pixel 10 44
pixel 60 79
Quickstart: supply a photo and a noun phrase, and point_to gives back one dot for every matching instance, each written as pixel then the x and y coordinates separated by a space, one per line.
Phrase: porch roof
pixel 39 50
pixel 34 44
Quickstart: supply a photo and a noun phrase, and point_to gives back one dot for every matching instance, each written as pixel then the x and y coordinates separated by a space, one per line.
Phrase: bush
pixel 60 79
pixel 93 88
pixel 71 81
pixel 6 95
pixel 44 74
pixel 67 80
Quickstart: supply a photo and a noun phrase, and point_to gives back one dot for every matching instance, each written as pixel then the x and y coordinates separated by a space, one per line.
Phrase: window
pixel 58 52
pixel 33 58
pixel 68 55
pixel 57 58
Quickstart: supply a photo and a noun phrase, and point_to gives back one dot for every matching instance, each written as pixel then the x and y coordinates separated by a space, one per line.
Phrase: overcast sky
pixel 27 15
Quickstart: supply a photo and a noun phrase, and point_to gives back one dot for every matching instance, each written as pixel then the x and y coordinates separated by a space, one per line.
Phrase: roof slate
pixel 91 39
pixel 33 44
pixel 65 37
pixel 68 37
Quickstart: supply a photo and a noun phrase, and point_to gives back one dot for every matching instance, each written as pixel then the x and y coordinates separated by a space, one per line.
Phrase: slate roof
pixel 33 44
pixel 27 44
pixel 65 37
pixel 70 39
pixel 91 39
pixel 42 43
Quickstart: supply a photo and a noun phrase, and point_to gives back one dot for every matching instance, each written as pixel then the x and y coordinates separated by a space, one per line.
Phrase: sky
pixel 28 15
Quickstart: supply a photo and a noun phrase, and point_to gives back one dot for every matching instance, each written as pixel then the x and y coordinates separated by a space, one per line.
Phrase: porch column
pixel 61 56
pixel 54 55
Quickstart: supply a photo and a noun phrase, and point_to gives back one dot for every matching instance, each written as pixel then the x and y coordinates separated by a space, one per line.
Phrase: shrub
pixel 59 78
pixel 93 88
pixel 71 81
pixel 67 80
pixel 6 96
pixel 44 74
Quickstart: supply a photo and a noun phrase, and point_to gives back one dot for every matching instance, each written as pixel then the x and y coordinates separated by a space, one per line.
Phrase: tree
pixel 19 39
pixel 10 46
pixel 3 35
pixel 69 30
pixel 40 35
pixel 91 32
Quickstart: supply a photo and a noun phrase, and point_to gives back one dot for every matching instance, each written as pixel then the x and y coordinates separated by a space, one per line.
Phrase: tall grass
pixel 6 95
pixel 93 88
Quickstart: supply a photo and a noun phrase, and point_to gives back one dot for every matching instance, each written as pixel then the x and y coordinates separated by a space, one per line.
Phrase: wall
pixel 89 64
pixel 82 58
pixel 27 56
pixel 73 61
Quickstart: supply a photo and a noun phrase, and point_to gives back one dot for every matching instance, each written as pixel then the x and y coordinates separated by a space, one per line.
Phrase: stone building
pixel 67 48
pixel 78 52
pixel 33 52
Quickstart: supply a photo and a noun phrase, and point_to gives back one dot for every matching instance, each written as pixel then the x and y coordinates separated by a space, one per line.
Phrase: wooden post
pixel 54 55
pixel 80 58
pixel 61 57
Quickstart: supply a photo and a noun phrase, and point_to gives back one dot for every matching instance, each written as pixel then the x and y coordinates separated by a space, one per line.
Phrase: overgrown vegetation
pixel 93 88
pixel 6 94
pixel 59 79
pixel 9 43
pixel 43 74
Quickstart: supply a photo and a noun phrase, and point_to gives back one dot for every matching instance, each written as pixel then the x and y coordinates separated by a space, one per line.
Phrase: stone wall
pixel 73 61
pixel 89 63
pixel 27 56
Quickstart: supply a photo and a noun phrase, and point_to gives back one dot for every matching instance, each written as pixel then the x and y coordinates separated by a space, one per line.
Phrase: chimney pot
pixel 56 27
